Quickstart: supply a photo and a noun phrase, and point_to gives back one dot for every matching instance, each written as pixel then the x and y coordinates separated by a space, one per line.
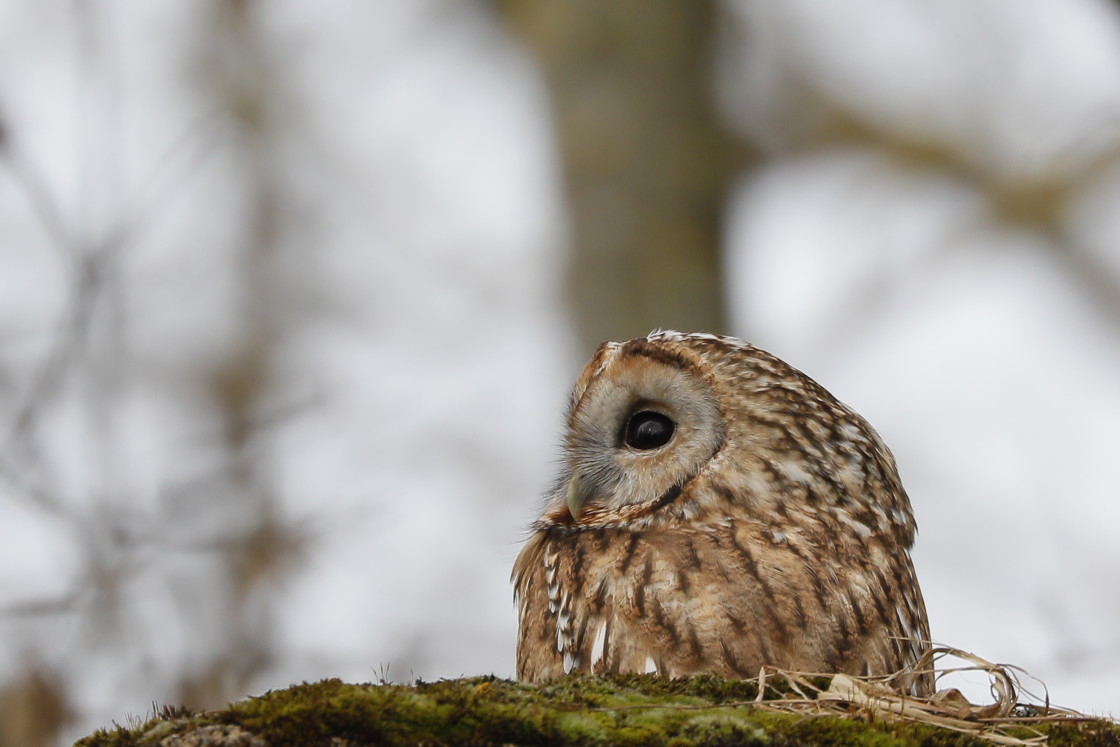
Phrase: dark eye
pixel 648 430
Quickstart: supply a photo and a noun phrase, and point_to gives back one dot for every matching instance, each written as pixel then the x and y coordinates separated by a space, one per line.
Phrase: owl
pixel 717 511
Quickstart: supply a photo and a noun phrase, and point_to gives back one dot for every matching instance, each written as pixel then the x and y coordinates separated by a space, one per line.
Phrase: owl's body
pixel 717 511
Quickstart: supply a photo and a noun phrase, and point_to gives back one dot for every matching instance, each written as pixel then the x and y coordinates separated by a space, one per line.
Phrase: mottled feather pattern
pixel 769 527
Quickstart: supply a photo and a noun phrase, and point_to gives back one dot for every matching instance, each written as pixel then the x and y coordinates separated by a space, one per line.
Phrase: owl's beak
pixel 578 495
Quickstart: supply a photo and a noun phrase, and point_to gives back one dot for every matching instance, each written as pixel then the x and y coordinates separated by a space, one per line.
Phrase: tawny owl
pixel 717 511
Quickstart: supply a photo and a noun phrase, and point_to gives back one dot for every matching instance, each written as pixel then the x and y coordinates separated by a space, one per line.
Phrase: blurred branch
pixel 1040 204
pixel 38 195
pixel 89 261
pixel 1101 283
pixel 171 171
pixel 38 607
pixel 67 346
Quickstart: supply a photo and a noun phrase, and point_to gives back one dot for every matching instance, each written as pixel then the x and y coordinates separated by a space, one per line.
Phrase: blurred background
pixel 292 294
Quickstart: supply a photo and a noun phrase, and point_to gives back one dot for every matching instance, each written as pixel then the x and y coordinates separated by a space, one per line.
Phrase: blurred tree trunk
pixel 646 161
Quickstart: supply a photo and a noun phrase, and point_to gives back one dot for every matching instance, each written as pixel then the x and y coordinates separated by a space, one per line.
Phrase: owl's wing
pixel 538 654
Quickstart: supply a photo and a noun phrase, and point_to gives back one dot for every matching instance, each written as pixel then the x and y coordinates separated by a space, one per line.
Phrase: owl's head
pixel 653 418
pixel 644 417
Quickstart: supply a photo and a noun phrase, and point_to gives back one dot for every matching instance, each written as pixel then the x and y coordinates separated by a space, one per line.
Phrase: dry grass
pixel 878 698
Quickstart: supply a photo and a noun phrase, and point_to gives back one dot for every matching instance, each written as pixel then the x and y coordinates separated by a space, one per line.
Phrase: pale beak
pixel 578 495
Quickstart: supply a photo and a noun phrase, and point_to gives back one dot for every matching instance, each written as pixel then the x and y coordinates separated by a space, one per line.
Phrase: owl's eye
pixel 648 430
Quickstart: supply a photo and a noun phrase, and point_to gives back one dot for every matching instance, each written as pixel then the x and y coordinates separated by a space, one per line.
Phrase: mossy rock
pixel 629 710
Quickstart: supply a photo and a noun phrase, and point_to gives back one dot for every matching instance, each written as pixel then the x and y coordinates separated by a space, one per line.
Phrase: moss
pixel 628 710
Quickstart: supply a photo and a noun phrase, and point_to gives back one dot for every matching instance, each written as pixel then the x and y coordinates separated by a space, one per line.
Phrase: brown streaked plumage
pixel 717 511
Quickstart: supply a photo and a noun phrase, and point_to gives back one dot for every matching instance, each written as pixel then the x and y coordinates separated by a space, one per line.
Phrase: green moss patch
pixel 625 710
